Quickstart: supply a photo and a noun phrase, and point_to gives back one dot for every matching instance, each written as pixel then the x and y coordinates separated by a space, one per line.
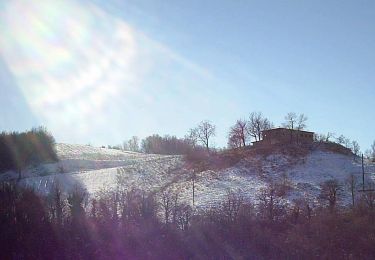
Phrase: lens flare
pixel 86 73
pixel 68 59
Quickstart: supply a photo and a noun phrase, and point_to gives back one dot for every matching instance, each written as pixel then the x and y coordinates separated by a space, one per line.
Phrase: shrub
pixel 19 150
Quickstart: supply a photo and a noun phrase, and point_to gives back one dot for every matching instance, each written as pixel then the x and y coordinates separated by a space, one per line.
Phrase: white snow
pixel 99 168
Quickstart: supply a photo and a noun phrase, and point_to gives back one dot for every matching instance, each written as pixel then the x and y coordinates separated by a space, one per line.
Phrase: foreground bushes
pixel 131 224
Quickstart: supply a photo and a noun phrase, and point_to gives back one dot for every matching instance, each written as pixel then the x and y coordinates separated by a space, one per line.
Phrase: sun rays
pixel 77 65
pixel 68 59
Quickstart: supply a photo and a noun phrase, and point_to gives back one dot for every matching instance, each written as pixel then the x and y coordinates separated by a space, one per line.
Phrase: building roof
pixel 282 128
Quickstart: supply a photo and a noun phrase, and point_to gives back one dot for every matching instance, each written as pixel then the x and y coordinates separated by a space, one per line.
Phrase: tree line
pixel 156 144
pixel 19 150
pixel 240 134
pixel 196 138
pixel 128 223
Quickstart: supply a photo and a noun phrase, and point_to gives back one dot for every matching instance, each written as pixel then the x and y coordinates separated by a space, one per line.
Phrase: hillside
pixel 99 168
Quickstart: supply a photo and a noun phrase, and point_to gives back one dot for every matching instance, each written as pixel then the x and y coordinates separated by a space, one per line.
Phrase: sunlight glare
pixel 68 59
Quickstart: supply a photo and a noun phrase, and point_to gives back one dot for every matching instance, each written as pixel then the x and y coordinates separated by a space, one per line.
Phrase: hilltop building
pixel 280 136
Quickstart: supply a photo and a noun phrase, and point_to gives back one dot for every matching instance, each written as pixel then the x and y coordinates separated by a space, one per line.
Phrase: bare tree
pixel 76 201
pixel 351 183
pixel 368 199
pixel 330 192
pixel 344 141
pixel 185 213
pixel 256 124
pixel 238 134
pixel 329 136
pixel 302 208
pixel 324 137
pixel 290 120
pixel 301 122
pixel 133 144
pixel 192 137
pixel 355 147
pixel 57 201
pixel 134 204
pixel 148 205
pixel 341 139
pixel 348 143
pixel 232 205
pixel 205 131
pixel 368 154
pixel 234 142
pixel 294 121
pixel 270 204
pixel 168 204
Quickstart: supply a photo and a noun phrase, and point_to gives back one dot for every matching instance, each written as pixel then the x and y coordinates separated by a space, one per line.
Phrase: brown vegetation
pixel 200 159
pixel 125 225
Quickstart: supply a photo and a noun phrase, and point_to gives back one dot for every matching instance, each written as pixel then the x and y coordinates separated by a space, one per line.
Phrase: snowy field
pixel 304 176
pixel 98 169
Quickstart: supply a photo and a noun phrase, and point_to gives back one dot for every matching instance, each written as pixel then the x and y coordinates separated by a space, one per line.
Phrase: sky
pixel 99 72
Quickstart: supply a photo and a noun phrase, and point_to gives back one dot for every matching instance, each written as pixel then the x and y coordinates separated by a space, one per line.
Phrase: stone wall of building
pixel 285 136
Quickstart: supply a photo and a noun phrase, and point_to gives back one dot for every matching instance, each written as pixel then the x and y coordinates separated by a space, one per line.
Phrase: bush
pixel 19 150
pixel 165 145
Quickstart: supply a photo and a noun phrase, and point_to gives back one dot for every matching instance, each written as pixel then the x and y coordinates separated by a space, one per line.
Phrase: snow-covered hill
pixel 303 175
pixel 99 168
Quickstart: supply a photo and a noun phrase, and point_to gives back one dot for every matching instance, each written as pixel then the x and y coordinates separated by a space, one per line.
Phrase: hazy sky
pixel 101 71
